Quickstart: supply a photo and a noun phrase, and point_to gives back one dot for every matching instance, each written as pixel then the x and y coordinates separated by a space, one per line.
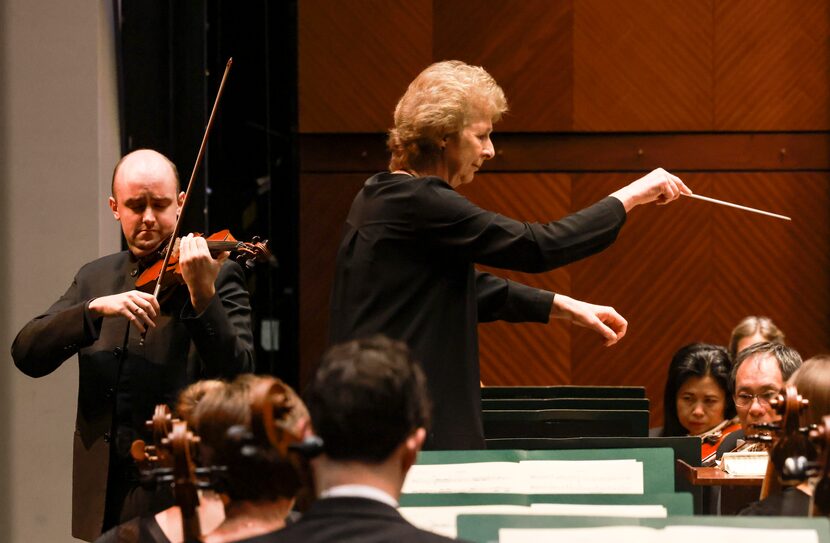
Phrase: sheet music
pixel 529 477
pixel 442 520
pixel 599 510
pixel 582 476
pixel 669 534
pixel 484 477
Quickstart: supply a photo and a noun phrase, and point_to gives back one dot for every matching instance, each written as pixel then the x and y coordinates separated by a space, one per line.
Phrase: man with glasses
pixel 758 375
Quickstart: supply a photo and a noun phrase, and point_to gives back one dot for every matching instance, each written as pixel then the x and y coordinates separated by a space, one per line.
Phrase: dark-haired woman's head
pixel 697 397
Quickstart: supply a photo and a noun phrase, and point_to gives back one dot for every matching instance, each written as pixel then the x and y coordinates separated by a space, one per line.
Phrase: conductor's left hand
pixel 601 318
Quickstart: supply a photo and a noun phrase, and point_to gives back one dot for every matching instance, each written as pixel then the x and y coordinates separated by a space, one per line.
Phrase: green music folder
pixel 658 463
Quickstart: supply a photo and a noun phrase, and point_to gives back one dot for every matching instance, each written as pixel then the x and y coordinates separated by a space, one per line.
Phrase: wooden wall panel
pixel 324 203
pixel 643 68
pixel 772 65
pixel 775 268
pixel 356 59
pixel 639 76
pixel 657 276
pixel 514 354
pixel 690 271
pixel 526 46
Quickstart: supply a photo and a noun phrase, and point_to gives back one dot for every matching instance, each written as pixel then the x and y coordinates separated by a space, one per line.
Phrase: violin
pixel 712 439
pixel 245 253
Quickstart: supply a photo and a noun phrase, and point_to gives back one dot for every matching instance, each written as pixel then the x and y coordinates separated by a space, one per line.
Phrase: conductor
pixel 405 263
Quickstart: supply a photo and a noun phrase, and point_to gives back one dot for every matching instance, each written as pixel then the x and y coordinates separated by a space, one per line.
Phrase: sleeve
pixel 502 299
pixel 222 332
pixel 449 222
pixel 48 340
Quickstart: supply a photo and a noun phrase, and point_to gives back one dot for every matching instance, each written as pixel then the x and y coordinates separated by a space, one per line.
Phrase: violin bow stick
pixel 736 206
pixel 193 173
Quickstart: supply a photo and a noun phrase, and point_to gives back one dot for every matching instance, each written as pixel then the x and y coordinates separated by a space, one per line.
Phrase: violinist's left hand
pixel 199 270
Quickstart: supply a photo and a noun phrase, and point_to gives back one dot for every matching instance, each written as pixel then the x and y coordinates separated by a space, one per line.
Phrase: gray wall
pixel 58 143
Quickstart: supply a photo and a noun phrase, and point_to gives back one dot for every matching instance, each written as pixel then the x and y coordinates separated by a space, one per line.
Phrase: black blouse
pixel 405 269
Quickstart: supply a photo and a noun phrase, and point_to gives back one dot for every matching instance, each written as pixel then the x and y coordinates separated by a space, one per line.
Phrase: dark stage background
pixel 171 60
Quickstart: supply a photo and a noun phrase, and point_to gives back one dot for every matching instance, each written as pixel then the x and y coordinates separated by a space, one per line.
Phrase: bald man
pixel 201 330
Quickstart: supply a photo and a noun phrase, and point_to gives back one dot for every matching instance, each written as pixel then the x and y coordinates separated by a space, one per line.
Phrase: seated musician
pixel 255 494
pixel 368 402
pixel 757 376
pixel 813 383
pixel 752 330
pixel 697 400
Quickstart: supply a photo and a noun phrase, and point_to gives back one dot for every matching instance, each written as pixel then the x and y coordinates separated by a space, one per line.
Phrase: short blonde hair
pixel 750 326
pixel 442 100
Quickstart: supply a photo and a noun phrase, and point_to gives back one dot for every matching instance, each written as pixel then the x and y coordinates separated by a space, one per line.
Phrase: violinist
pixel 201 329
pixel 697 400
pixel 812 381
pixel 757 376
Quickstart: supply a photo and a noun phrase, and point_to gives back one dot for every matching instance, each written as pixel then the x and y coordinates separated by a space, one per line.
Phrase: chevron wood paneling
pixel 356 60
pixel 690 271
pixel 512 354
pixel 638 75
pixel 775 268
pixel 526 46
pixel 642 69
pixel 772 65
pixel 657 276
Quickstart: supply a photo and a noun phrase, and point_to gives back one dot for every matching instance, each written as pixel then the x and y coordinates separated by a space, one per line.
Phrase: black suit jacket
pixel 350 520
pixel 405 268
pixel 121 382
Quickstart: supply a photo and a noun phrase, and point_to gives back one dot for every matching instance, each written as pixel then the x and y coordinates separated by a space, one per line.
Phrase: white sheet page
pixel 482 477
pixel 669 534
pixel 600 510
pixel 582 476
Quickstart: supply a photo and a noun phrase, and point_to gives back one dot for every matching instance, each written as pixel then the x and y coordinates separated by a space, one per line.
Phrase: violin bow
pixel 193 173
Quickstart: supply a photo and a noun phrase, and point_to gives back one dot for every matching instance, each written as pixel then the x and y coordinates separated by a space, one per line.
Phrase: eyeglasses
pixel 745 400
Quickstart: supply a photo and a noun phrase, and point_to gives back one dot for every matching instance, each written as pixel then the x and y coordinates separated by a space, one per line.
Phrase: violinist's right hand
pixel 138 307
